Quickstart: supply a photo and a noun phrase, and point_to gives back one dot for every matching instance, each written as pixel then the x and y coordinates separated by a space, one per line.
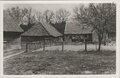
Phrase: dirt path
pixel 6 57
pixel 68 48
pixel 77 48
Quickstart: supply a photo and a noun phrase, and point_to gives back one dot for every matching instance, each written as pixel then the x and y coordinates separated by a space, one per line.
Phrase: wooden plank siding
pixel 12 40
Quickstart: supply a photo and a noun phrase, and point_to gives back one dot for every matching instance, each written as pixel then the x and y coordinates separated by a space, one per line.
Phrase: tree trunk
pixel 44 44
pixel 26 47
pixel 63 43
pixel 85 45
pixel 100 37
pixel 99 46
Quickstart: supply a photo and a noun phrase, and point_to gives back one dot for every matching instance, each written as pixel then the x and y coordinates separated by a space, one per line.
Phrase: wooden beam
pixel 85 45
pixel 26 47
pixel 63 43
pixel 43 44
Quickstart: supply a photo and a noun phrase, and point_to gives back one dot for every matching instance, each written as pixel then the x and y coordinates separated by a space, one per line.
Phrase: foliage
pixel 21 15
pixel 62 15
pixel 100 17
pixel 48 15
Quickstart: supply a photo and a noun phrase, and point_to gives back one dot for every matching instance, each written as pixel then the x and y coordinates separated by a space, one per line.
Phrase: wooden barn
pixel 40 33
pixel 76 33
pixel 12 32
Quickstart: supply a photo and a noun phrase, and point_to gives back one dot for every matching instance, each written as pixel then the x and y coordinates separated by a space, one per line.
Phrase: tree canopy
pixel 100 17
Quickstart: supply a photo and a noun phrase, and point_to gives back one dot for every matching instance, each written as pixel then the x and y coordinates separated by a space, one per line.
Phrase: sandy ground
pixel 6 57
pixel 78 48
pixel 70 48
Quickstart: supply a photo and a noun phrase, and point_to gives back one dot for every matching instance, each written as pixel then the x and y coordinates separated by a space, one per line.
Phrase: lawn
pixel 58 63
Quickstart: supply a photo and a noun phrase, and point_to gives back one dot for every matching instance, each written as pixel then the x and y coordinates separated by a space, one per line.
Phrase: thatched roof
pixel 74 28
pixel 51 30
pixel 10 25
pixel 43 29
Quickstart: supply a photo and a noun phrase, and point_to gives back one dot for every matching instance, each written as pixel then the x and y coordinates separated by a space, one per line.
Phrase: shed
pixel 12 32
pixel 76 32
pixel 39 31
pixel 41 34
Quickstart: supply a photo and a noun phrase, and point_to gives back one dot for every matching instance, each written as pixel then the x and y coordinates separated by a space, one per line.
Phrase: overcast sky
pixel 43 7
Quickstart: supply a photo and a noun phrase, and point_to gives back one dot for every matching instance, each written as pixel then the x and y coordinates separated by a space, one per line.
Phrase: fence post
pixel 44 44
pixel 26 47
pixel 96 46
pixel 85 45
pixel 63 43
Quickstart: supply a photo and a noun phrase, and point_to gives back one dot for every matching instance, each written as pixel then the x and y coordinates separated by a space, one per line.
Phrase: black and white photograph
pixel 59 39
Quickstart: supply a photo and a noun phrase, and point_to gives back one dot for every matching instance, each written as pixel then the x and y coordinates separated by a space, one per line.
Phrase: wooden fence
pixel 30 46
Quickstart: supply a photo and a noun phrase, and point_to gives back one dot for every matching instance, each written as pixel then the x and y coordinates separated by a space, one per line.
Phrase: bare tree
pixel 15 13
pixel 62 15
pixel 61 18
pixel 97 16
pixel 39 17
pixel 48 15
pixel 18 14
pixel 27 12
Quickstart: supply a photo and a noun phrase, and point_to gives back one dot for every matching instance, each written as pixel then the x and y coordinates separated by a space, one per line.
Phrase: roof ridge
pixel 44 28
pixel 10 25
pixel 48 28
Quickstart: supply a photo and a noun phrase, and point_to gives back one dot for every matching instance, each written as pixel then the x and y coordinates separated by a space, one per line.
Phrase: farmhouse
pixel 12 32
pixel 76 33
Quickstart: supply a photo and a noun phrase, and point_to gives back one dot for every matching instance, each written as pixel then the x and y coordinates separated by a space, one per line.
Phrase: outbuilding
pixel 42 33
pixel 11 33
pixel 76 33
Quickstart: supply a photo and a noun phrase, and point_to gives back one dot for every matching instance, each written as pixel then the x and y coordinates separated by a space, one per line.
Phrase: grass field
pixel 7 53
pixel 57 62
